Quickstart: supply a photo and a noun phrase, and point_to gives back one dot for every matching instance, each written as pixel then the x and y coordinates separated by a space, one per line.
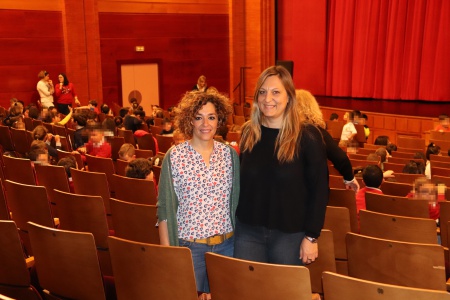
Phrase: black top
pixel 132 123
pixel 337 156
pixel 290 197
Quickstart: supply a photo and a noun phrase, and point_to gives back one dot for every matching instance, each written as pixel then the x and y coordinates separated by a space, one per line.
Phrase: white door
pixel 140 81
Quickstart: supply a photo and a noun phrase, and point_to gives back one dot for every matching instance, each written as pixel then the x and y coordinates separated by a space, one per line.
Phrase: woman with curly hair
pixel 284 177
pixel 199 183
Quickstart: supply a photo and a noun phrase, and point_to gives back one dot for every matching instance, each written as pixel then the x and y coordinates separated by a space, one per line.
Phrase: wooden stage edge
pixel 430 109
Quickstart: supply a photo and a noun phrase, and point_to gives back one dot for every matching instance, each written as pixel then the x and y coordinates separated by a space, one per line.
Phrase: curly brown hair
pixel 192 102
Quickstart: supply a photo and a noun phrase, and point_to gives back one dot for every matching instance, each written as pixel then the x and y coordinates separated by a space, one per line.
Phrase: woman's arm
pixel 163 233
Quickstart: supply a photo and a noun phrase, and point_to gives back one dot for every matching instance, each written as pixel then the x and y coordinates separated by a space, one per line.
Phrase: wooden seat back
pixel 135 190
pixel 19 170
pixel 395 262
pixel 102 165
pixel 338 287
pixel 5 138
pixel 407 178
pixel 254 280
pixel 127 135
pixel 14 275
pixel 399 228
pixel 410 142
pixel 396 188
pixel 67 263
pixel 164 142
pixel 80 163
pixel 21 141
pixel 146 271
pixel 147 142
pixel 135 222
pixel 345 198
pixel 396 205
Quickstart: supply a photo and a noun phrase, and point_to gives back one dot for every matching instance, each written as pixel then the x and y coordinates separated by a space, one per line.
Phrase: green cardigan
pixel 168 200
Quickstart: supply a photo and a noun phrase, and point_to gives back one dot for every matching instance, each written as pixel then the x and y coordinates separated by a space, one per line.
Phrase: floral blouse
pixel 203 192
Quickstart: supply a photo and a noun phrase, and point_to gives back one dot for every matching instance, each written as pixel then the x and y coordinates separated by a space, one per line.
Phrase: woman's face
pixel 61 78
pixel 273 99
pixel 205 123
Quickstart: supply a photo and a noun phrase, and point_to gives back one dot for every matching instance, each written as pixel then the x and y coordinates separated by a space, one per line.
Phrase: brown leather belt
pixel 213 240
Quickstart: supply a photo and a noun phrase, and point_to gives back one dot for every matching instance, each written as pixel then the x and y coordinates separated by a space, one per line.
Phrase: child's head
pixel 432 149
pixel 92 104
pixel 68 162
pixel 126 152
pixel 413 167
pixel 372 176
pixel 334 117
pixel 391 147
pixel 39 133
pixel 382 140
pixel 167 124
pixel 444 120
pixel 140 168
pixel 373 157
pixel 382 154
pixel 38 152
pixel 96 134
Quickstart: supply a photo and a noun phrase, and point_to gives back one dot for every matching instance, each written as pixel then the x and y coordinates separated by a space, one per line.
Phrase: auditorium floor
pixel 396 107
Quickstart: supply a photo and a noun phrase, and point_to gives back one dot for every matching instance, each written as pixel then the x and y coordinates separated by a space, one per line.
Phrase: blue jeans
pixel 257 243
pixel 198 256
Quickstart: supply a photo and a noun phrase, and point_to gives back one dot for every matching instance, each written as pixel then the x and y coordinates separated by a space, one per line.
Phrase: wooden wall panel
pixel 188 45
pixel 31 40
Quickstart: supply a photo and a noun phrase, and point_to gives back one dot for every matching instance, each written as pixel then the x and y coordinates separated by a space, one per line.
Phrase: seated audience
pixel 431 149
pixel 414 167
pixel 444 122
pixel 41 133
pixel 93 106
pixel 167 127
pixel 426 190
pixel 38 153
pixel 80 137
pixel 127 152
pixel 334 117
pixel 382 140
pixel 133 122
pixel 373 177
pixel 391 147
pixel 68 162
pixel 97 145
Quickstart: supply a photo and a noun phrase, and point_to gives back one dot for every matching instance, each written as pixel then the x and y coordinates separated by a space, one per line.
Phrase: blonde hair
pixel 287 143
pixel 309 108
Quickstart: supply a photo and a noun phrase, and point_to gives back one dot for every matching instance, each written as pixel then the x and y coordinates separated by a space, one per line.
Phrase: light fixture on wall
pixel 140 48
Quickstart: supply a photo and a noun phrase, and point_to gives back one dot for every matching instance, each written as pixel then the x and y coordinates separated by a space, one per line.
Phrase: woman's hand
pixel 308 251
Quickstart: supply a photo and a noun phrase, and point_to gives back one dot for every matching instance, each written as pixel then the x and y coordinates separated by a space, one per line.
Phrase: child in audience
pixel 141 168
pixel 382 140
pixel 41 133
pixel 127 152
pixel 38 153
pixel 97 145
pixel 68 162
pixel 334 117
pixel 444 122
pixel 391 147
pixel 413 167
pixel 348 131
pixel 167 127
pixel 431 149
pixel 372 177
pixel 424 189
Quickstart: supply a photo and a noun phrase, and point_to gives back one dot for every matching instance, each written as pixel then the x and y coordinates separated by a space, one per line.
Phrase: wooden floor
pixel 397 107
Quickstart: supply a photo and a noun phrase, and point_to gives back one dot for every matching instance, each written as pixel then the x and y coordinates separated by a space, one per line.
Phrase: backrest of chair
pixel 19 170
pixel 410 142
pixel 238 120
pixel 52 177
pixel 440 164
pixel 116 142
pixel 120 167
pixel 135 190
pixel 338 287
pixel 127 135
pixel 435 157
pixel 409 155
pixel 60 130
pixel 439 135
pixel 440 171
pixel 156 173
pixel 101 165
pixel 28 123
pixel 397 168
pixel 399 228
pixel 83 213
pixel 143 153
pixel 399 160
pixel 28 203
pixel 335 129
pixel 145 271
pixel 80 163
pixel 91 183
pixel 325 263
pixel 395 205
pixel 366 151
pixel 345 198
pixel 135 222
pixel 5 138
pixel 394 262
pixel 13 269
pixel 164 142
pixel 441 179
pixel 238 109
pixel 444 216
pixel 337 219
pixel 360 134
pixel 67 262
pixel 336 181
pixel 4 210
pixel 232 278
pixel 407 178
pixel 233 137
pixel 409 150
pixel 396 188
pixel 21 141
pixel 147 142
pixel 155 129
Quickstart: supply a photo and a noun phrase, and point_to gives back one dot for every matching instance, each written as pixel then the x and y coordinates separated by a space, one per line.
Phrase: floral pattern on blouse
pixel 203 193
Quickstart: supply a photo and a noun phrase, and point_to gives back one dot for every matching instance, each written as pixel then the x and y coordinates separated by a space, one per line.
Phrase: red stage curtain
pixel 398 49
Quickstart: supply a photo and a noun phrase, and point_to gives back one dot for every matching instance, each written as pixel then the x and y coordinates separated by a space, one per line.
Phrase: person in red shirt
pixel 97 145
pixel 444 123
pixel 372 177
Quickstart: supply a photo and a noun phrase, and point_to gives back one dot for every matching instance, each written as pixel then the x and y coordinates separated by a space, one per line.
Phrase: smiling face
pixel 272 101
pixel 205 123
